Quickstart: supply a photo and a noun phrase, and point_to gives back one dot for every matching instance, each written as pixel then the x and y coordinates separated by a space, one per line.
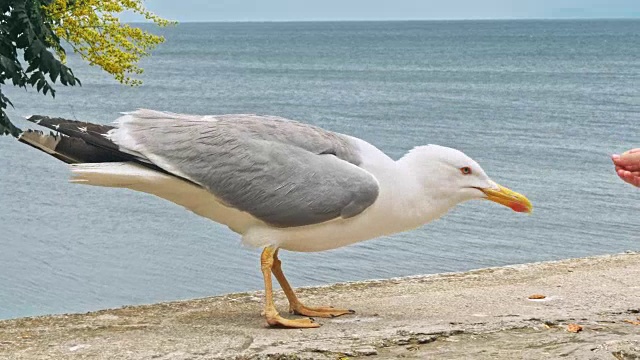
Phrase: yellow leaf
pixel 93 29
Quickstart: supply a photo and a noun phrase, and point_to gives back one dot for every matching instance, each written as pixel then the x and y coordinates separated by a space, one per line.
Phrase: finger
pixel 629 177
pixel 634 180
pixel 621 173
pixel 624 174
pixel 634 172
pixel 631 155
pixel 632 151
pixel 632 167
pixel 616 159
pixel 630 161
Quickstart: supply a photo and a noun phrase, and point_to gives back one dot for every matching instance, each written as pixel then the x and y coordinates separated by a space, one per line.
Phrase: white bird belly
pixel 329 235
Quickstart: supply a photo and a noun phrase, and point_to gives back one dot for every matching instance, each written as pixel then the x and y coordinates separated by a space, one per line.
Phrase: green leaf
pixel 8 64
pixel 63 77
pixel 29 54
pixel 41 83
pixel 6 127
pixel 32 66
pixel 46 58
pixel 33 79
pixel 4 101
pixel 54 70
pixel 22 41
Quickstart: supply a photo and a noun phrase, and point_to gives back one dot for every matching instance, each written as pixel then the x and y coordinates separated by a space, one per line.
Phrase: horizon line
pixel 406 20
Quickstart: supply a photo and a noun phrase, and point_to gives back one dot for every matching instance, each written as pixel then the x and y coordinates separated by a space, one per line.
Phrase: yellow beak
pixel 502 195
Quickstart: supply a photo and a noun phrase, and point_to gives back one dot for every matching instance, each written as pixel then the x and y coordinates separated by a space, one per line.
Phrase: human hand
pixel 628 166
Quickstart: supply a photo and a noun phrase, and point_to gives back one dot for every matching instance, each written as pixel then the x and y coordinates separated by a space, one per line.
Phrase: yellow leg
pixel 270 312
pixel 295 306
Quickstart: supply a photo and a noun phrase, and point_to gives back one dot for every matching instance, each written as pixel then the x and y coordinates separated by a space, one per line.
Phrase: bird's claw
pixel 325 311
pixel 279 321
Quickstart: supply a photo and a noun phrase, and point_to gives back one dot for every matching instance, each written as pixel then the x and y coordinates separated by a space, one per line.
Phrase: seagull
pixel 279 183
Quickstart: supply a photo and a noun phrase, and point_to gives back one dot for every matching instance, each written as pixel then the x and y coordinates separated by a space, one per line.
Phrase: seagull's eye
pixel 465 170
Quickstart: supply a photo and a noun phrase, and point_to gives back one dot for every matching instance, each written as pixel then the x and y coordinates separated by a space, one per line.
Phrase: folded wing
pixel 282 172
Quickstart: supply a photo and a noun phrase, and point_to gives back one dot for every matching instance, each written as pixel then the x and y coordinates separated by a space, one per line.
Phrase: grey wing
pixel 282 172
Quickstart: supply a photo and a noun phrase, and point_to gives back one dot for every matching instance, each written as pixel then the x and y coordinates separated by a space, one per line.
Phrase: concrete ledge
pixel 477 314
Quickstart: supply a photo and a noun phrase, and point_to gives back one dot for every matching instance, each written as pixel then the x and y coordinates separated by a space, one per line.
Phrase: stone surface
pixel 482 314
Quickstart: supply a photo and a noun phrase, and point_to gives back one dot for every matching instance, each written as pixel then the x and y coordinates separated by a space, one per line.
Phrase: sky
pixel 309 10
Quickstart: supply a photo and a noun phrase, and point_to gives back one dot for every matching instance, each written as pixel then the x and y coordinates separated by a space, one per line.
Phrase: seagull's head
pixel 451 175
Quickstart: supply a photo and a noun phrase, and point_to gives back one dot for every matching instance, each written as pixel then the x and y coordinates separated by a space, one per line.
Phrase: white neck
pixel 407 202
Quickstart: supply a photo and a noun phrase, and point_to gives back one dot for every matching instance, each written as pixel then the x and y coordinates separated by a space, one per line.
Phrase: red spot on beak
pixel 518 207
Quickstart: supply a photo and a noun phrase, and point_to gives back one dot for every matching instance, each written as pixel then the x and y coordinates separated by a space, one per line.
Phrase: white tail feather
pixel 137 177
pixel 114 174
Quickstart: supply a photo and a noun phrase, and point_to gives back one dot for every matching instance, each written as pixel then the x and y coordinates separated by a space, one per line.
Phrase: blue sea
pixel 539 104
